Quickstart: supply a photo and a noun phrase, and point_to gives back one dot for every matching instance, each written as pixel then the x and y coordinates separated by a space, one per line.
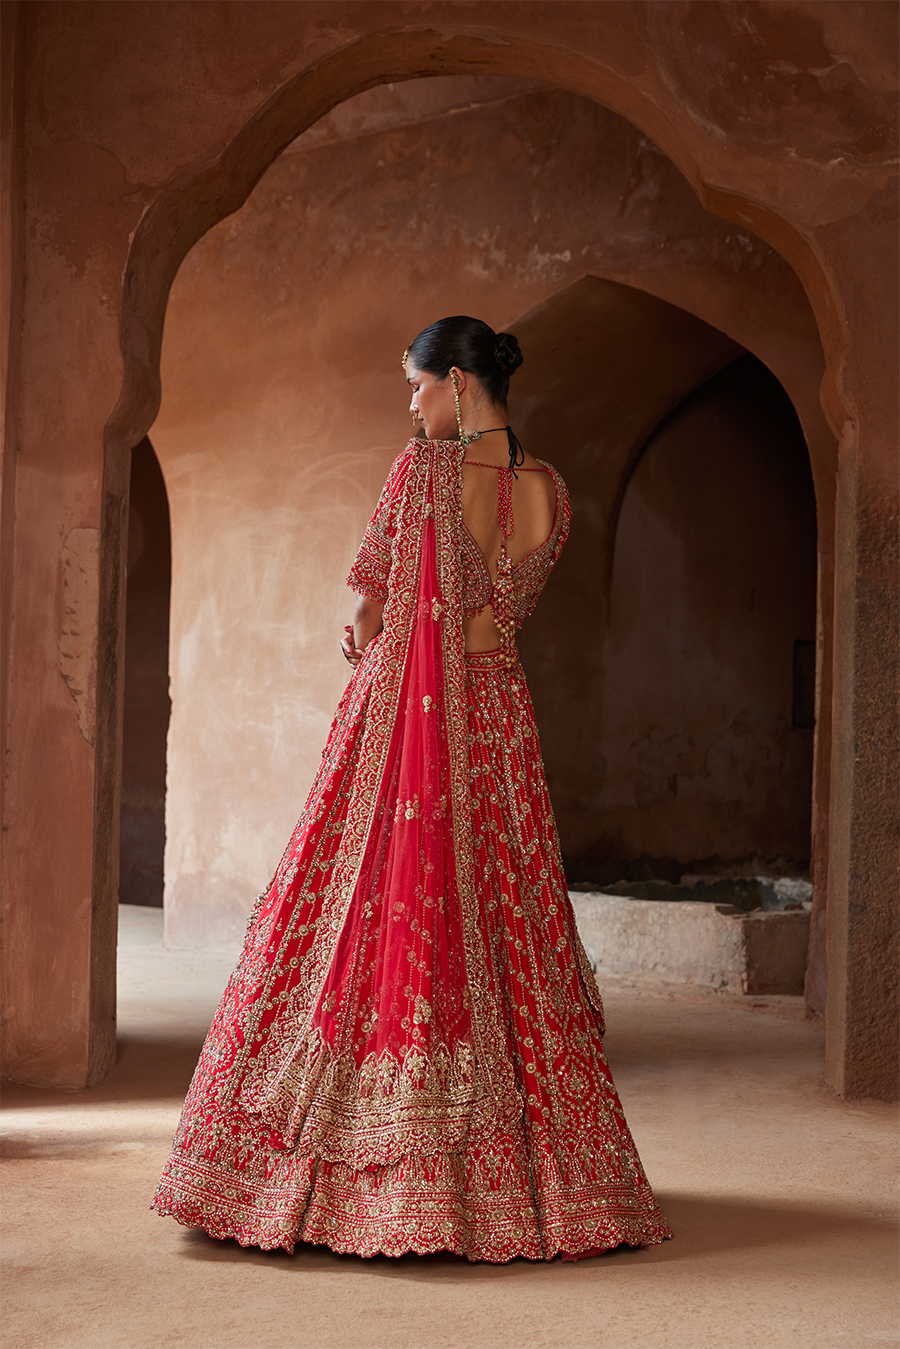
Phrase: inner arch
pixel 281 411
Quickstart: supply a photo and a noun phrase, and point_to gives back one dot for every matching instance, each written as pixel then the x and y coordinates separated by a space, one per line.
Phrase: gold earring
pixel 463 438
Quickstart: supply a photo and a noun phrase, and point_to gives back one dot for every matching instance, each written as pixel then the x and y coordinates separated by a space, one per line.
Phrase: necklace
pixel 516 453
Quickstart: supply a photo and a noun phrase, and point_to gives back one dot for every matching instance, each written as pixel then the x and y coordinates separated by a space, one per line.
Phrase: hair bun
pixel 507 353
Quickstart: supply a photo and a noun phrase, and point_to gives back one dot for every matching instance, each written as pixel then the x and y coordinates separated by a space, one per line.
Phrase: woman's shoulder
pixel 402 462
pixel 409 451
pixel 549 469
pixel 563 515
pixel 532 461
pixel 415 446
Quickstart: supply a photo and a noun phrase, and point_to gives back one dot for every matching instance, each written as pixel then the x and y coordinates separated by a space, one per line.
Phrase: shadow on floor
pixel 703 1226
pixel 147 1069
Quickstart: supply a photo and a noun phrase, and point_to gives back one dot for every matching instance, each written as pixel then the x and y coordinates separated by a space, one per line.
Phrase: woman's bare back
pixel 533 512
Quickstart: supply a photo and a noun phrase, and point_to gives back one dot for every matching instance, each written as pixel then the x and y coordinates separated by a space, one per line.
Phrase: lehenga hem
pixel 639 1235
pixel 466 1206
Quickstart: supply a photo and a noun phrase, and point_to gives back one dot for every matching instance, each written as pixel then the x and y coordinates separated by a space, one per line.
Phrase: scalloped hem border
pixel 598 1239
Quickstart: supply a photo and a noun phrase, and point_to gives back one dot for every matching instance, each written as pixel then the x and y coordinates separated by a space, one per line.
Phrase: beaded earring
pixel 464 438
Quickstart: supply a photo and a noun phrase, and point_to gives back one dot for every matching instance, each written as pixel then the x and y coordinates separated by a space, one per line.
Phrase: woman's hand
pixel 366 625
pixel 351 651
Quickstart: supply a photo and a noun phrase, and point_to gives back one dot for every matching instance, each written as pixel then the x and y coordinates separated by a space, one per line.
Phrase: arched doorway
pixel 668 719
pixel 280 417
pixel 142 833
pixel 705 718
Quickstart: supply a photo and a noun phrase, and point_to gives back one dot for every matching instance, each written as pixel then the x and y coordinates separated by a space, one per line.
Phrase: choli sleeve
pixel 371 571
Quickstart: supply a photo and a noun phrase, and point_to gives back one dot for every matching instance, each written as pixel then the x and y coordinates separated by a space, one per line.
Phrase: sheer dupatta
pixel 384 1041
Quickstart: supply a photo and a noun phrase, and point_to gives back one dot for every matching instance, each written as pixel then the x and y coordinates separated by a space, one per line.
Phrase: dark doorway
pixel 670 660
pixel 147 702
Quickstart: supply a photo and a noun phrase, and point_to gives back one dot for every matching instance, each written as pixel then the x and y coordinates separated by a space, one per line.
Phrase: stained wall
pixel 131 130
pixel 284 403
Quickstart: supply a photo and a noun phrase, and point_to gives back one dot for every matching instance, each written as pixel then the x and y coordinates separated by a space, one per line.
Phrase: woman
pixel 408 1056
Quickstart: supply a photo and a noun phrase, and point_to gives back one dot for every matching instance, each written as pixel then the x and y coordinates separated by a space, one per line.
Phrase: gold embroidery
pixel 509 1143
pixel 408 810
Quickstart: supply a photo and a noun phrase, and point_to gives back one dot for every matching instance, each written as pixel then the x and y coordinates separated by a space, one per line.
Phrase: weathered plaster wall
pixel 284 402
pixel 135 127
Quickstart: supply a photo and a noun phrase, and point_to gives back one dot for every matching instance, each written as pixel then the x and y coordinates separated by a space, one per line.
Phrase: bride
pixel 408 1056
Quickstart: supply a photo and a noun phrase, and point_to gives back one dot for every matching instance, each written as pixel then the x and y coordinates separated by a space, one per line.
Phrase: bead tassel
pixel 502 604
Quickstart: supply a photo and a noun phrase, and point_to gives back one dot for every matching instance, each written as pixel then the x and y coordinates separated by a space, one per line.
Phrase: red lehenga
pixel 408 1055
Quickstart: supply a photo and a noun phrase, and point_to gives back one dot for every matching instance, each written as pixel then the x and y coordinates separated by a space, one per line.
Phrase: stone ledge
pixel 712 946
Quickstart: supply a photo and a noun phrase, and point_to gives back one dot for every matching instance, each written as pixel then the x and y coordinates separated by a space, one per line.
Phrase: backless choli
pixel 408 1055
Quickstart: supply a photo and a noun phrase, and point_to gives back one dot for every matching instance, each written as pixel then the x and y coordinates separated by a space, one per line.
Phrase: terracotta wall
pixel 284 402
pixel 131 130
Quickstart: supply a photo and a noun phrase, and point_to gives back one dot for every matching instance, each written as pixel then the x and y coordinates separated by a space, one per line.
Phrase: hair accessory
pixel 404 358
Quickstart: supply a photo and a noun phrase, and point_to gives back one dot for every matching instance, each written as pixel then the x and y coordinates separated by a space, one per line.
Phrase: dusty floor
pixel 783 1201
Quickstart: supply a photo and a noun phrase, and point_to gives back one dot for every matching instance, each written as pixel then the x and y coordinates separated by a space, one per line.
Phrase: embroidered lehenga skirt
pixel 378 1088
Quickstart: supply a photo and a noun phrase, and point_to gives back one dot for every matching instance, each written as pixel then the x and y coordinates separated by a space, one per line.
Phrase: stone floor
pixel 783 1201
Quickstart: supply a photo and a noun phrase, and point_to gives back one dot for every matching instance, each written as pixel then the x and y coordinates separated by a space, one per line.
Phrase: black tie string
pixel 516 453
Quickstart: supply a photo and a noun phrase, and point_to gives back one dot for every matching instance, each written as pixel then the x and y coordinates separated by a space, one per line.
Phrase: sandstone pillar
pixel 861 1017
pixel 862 1040
pixel 63 506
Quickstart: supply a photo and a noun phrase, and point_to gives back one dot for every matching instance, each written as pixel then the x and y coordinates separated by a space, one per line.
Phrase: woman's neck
pixel 490 420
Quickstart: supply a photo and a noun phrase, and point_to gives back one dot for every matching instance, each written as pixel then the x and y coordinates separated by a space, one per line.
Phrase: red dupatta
pixel 385 1042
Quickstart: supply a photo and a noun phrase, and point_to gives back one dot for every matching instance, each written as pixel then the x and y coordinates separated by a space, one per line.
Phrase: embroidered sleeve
pixel 371 571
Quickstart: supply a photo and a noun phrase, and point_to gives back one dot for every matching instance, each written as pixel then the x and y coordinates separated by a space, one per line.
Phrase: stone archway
pixel 199 196
pixel 635 725
pixel 182 216
pixel 270 488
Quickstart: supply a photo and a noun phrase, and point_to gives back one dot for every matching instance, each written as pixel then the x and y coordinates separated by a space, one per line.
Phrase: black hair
pixel 472 346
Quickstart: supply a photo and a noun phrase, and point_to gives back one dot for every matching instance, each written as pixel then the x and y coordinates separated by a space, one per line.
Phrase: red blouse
pixel 518 585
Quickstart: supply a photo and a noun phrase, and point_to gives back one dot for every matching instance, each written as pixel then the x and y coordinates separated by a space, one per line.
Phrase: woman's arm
pixel 366 625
